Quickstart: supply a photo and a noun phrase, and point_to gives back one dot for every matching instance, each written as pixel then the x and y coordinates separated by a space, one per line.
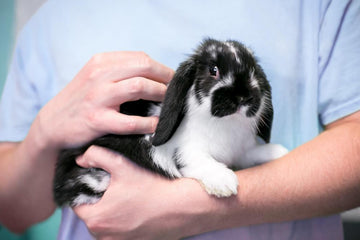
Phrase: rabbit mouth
pixel 227 107
pixel 224 102
pixel 245 111
pixel 242 110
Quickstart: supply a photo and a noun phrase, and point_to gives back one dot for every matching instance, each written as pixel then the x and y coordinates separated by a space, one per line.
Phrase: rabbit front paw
pixel 216 179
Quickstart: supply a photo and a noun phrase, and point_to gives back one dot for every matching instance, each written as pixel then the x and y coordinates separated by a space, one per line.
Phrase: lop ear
pixel 266 118
pixel 264 128
pixel 174 105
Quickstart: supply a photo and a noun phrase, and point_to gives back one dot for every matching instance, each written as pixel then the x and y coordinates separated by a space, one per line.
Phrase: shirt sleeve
pixel 20 101
pixel 339 61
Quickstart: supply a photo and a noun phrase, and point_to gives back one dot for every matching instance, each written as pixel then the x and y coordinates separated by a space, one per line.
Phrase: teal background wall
pixel 7 17
pixel 46 230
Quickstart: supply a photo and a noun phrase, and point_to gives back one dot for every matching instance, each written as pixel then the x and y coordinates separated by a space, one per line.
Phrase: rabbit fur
pixel 217 115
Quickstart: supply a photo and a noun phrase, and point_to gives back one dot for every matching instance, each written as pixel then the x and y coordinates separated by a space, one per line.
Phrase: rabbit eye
pixel 214 71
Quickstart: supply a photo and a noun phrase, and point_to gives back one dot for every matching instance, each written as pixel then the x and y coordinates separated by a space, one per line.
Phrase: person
pixel 77 61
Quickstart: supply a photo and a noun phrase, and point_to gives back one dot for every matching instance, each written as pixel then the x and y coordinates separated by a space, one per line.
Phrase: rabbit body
pixel 217 114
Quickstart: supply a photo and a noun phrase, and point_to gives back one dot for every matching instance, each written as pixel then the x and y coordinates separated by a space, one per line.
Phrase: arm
pixel 26 183
pixel 318 178
pixel 87 108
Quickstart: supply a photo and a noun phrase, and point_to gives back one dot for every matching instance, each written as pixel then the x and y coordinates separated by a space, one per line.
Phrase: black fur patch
pixel 236 64
pixel 138 108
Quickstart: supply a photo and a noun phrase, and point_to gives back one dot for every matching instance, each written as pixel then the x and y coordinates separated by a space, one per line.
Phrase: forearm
pixel 318 178
pixel 26 181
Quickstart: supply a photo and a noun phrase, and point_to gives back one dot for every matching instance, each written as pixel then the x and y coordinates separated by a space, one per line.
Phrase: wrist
pixel 39 138
pixel 200 212
pixel 45 132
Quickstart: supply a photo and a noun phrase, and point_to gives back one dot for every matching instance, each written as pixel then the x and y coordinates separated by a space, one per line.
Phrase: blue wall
pixel 48 229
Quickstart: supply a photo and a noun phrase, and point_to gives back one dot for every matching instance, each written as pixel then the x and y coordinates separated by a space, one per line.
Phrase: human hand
pixel 88 106
pixel 136 204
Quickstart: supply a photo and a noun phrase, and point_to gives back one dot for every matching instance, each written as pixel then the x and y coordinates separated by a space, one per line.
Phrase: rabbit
pixel 217 115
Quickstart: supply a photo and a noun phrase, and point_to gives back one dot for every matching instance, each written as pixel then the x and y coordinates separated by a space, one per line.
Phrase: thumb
pixel 99 157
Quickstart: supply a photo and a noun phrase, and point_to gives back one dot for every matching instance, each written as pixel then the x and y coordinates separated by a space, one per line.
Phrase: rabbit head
pixel 224 76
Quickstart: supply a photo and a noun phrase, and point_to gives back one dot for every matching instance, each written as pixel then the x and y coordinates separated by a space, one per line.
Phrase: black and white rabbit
pixel 216 107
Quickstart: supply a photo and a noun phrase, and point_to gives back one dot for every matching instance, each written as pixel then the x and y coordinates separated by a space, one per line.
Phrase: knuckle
pixel 90 151
pixel 137 86
pixel 97 58
pixel 95 72
pixel 95 66
pixel 143 55
pixel 145 62
pixel 88 155
pixel 93 120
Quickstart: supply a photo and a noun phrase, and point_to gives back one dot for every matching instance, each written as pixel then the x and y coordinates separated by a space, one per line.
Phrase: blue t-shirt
pixel 310 51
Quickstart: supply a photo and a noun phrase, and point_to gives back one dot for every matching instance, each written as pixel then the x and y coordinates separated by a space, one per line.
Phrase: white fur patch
pixel 95 184
pixel 85 199
pixel 212 50
pixel 264 153
pixel 154 110
pixel 253 81
pixel 233 50
pixel 205 145
pixel 162 156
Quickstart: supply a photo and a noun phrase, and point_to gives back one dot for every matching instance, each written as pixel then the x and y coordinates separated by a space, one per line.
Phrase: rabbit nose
pixel 249 100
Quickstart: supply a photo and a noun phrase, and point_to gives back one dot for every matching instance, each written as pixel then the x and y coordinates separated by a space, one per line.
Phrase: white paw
pixel 217 180
pixel 221 184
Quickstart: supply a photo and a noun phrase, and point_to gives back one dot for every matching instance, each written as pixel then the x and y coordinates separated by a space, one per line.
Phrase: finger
pixel 108 160
pixel 86 211
pixel 117 123
pixel 156 71
pixel 134 89
pixel 122 65
pixel 99 157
